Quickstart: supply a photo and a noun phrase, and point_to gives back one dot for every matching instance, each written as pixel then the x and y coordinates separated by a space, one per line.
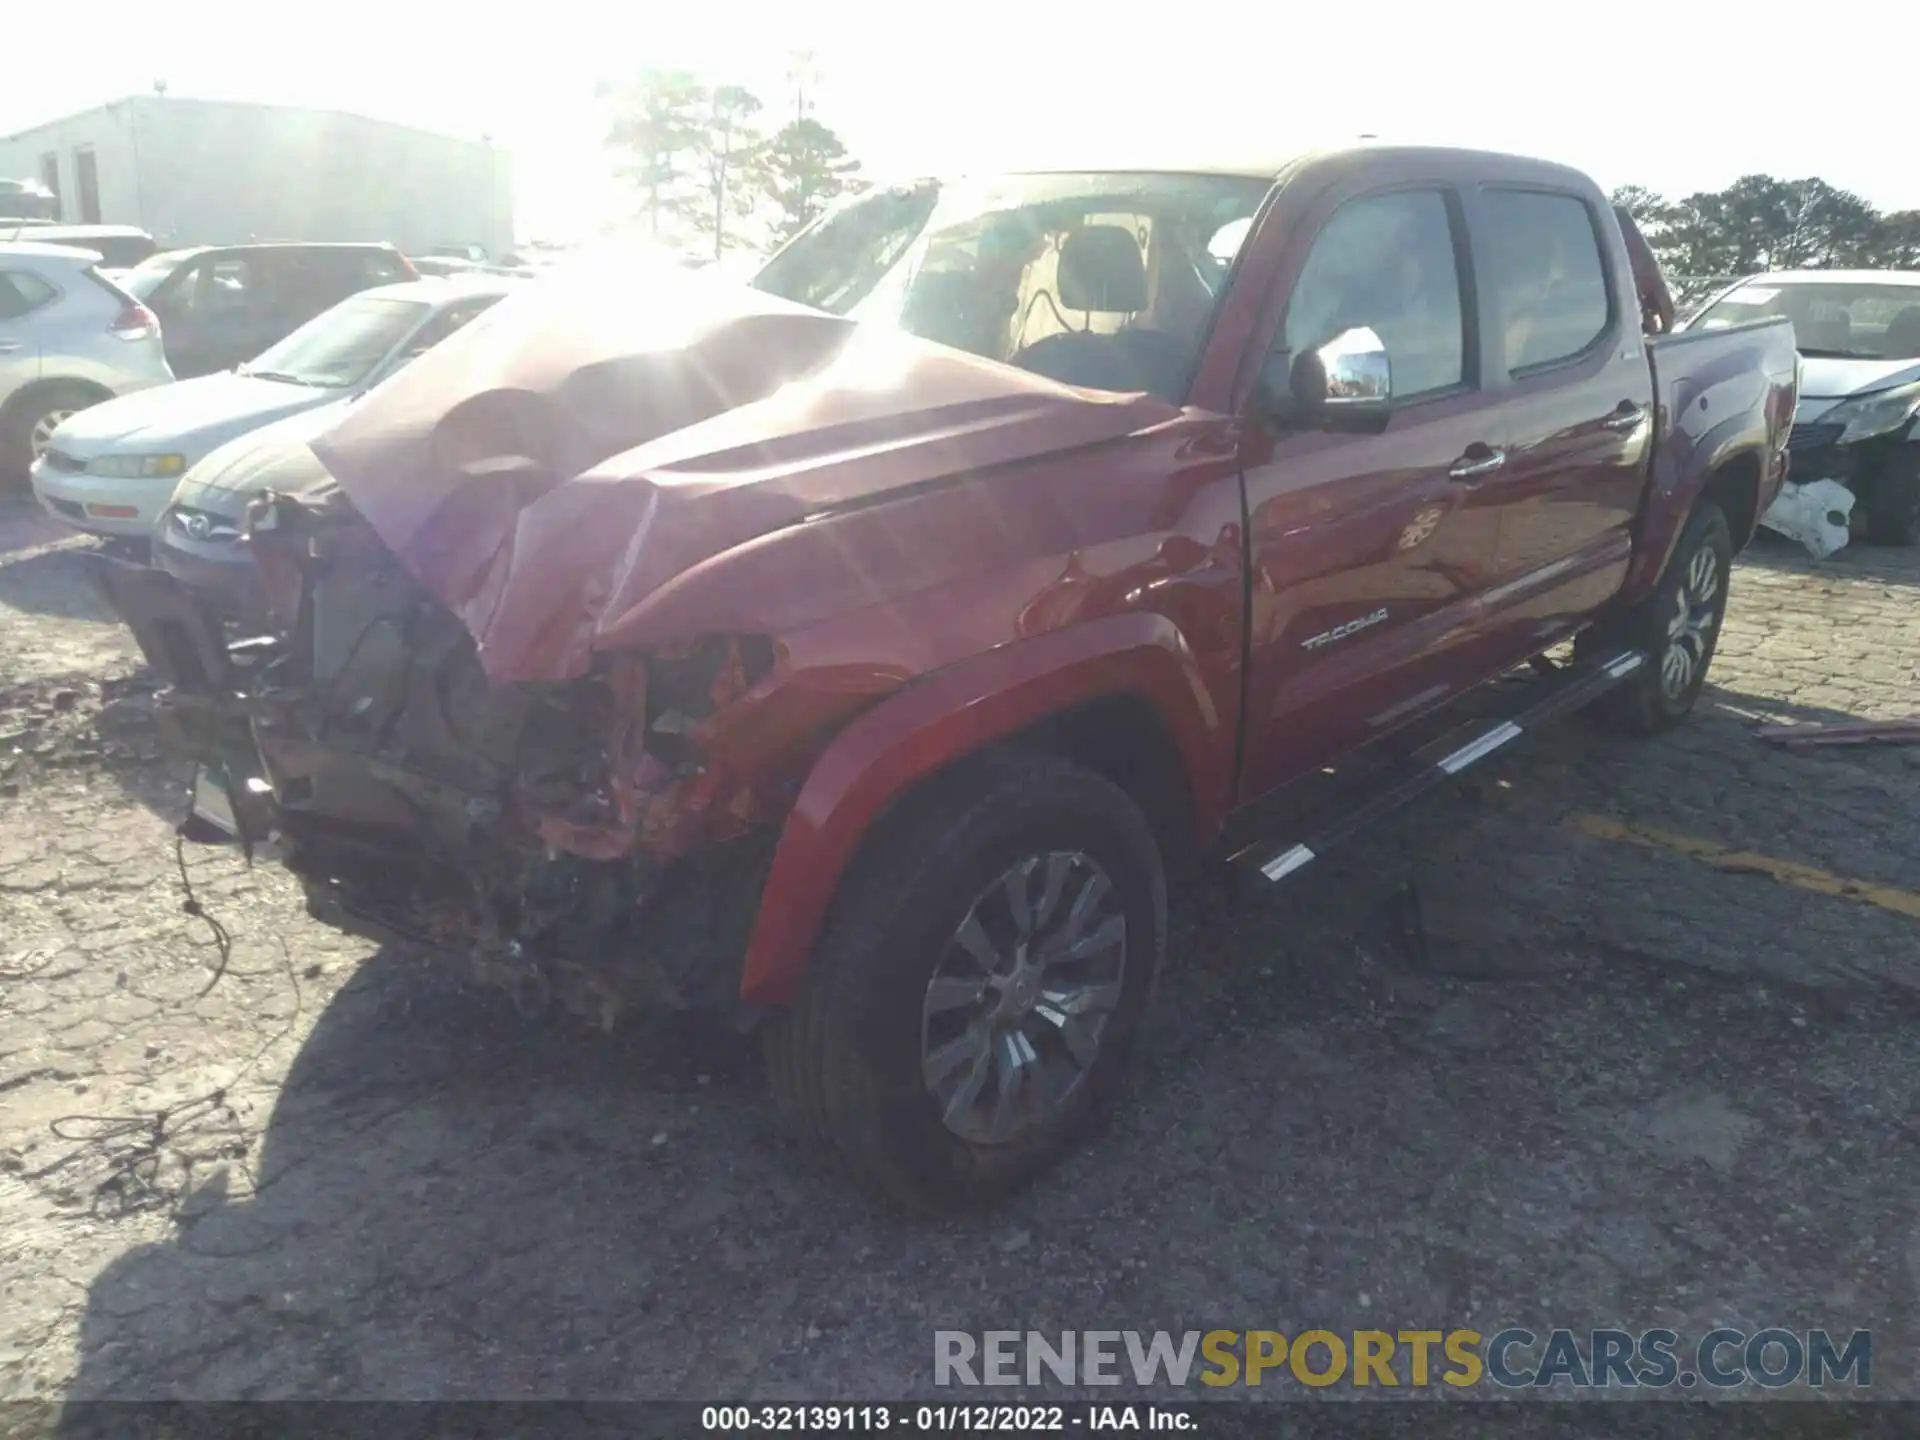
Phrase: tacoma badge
pixel 1341 632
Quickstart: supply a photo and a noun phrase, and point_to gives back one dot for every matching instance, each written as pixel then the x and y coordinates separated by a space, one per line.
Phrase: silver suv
pixel 69 338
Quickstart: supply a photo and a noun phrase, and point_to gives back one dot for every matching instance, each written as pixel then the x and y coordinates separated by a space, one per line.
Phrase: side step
pixel 1563 691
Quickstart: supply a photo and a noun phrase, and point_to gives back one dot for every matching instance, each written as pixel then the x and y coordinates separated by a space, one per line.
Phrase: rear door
pixel 1576 395
pixel 23 294
pixel 1370 553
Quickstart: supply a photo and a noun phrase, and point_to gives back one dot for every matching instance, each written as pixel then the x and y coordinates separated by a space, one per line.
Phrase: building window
pixel 50 177
pixel 88 179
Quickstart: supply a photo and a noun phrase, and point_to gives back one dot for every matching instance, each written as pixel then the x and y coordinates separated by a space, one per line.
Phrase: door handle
pixel 1626 417
pixel 7 347
pixel 1471 466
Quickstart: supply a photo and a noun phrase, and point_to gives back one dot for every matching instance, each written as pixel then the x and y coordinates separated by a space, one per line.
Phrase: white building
pixel 215 172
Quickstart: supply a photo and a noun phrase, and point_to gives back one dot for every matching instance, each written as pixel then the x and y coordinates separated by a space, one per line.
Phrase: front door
pixel 1370 553
pixel 215 313
pixel 21 294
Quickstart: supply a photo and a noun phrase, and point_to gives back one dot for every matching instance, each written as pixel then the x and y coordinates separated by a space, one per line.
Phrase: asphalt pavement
pixel 1653 1065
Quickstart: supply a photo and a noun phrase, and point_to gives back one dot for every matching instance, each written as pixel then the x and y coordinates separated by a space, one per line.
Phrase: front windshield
pixel 1831 319
pixel 341 347
pixel 1105 280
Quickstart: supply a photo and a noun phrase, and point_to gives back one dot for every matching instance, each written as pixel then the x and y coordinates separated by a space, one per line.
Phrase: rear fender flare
pixel 1673 499
pixel 954 712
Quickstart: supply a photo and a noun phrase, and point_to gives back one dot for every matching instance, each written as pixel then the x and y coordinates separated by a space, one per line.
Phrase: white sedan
pixel 110 469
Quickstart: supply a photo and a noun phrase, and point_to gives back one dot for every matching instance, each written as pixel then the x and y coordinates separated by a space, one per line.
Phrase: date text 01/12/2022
pixel 942 1419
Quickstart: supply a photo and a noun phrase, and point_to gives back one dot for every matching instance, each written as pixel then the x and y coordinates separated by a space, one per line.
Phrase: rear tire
pixel 1677 627
pixel 903 1007
pixel 24 433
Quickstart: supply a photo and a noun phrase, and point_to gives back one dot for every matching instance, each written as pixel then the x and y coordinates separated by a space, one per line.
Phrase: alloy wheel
pixel 1017 1009
pixel 41 435
pixel 1690 631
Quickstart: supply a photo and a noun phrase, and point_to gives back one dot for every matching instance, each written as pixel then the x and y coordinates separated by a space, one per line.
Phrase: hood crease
pixel 545 470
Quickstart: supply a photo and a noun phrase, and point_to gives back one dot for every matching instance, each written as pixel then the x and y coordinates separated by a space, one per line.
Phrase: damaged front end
pixel 1869 446
pixel 576 842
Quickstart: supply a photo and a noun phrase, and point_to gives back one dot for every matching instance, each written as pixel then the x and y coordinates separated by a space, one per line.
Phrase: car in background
pixel 219 306
pixel 459 250
pixel 442 265
pixel 111 471
pixel 120 247
pixel 69 339
pixel 199 537
pixel 28 200
pixel 1858 333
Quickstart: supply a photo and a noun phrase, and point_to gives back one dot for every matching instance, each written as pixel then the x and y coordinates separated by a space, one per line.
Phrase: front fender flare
pixel 951 713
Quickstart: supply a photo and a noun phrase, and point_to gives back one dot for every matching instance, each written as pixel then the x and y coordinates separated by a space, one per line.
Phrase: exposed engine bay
pixel 571 840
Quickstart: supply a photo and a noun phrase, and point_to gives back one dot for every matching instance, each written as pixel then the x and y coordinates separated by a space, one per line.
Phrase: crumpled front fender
pixel 949 714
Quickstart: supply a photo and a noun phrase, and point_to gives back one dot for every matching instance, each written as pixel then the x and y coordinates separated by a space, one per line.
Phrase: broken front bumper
pixel 396 841
pixel 1870 468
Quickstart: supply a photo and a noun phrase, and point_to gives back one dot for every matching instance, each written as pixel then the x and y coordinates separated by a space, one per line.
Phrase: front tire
pixel 970 1006
pixel 26 431
pixel 1893 513
pixel 1676 627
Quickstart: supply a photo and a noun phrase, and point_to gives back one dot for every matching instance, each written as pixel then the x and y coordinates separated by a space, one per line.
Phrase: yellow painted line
pixel 1745 862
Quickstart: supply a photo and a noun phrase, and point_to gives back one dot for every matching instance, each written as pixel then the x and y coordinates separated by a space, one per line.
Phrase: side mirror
pixel 1348 382
pixel 1345 384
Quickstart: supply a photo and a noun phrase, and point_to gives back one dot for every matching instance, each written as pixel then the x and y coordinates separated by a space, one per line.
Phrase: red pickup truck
pixel 860 650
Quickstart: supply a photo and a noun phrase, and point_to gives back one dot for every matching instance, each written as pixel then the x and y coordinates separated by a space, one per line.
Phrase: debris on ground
pixel 1843 732
pixel 1818 514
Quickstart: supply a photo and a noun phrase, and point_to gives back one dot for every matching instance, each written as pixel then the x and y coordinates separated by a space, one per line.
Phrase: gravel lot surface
pixel 1622 1086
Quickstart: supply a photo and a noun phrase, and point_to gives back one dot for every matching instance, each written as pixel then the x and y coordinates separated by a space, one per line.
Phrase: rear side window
pixel 229 284
pixel 1387 262
pixel 123 252
pixel 1549 276
pixel 21 294
pixel 320 278
pixel 384 269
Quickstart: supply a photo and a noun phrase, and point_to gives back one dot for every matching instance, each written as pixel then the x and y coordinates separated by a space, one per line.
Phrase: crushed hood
pixel 548 468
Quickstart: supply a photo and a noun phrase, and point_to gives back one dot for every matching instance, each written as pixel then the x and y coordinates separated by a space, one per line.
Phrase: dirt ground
pixel 1624 1085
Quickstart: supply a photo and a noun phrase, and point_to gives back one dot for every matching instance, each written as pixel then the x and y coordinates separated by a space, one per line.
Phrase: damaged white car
pixel 1858 333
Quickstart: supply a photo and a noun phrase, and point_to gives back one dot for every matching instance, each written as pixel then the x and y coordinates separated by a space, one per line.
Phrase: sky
pixel 915 90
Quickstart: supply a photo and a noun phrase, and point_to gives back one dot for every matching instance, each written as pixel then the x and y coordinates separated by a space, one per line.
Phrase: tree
pixel 1829 227
pixel 1896 239
pixel 730 149
pixel 658 123
pixel 1649 211
pixel 1761 222
pixel 806 166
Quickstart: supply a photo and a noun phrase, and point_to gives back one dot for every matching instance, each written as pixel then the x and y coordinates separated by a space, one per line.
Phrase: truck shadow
pixel 449 1205
pixel 449 1202
pixel 430 1147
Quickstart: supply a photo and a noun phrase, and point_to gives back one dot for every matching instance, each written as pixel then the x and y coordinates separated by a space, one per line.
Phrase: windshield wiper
pixel 280 375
